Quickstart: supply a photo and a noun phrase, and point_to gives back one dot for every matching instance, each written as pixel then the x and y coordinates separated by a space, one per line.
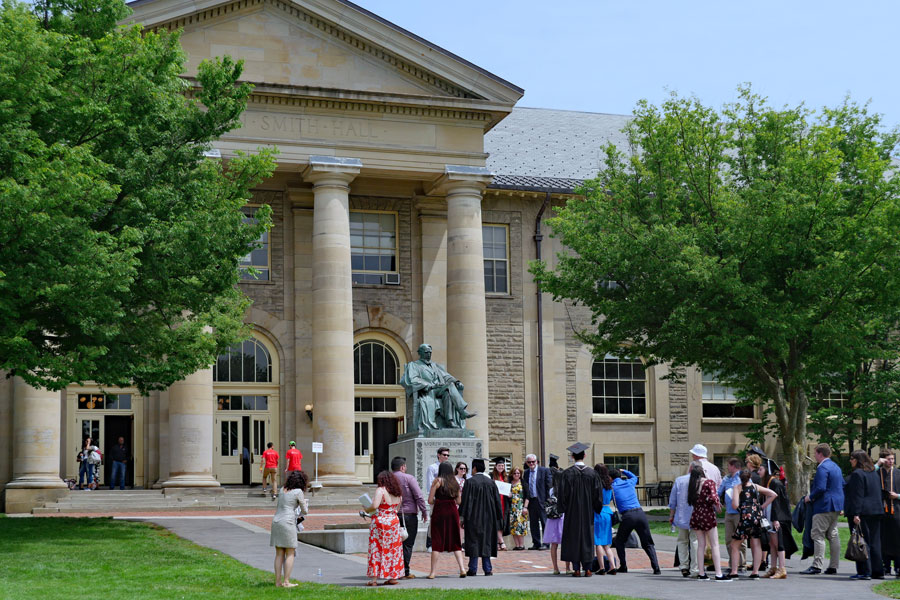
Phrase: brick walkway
pixel 527 561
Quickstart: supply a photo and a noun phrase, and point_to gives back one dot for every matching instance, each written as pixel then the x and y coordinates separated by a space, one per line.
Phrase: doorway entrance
pixel 241 440
pixel 114 427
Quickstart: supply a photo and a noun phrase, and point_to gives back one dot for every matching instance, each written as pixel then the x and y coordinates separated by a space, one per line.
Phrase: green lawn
pixel 891 589
pixel 63 558
pixel 663 528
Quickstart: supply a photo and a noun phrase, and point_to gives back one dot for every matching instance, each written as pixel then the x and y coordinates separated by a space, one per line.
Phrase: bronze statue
pixel 436 395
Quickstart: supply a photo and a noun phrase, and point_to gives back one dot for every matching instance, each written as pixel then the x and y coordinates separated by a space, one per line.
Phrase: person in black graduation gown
pixel 480 515
pixel 578 499
pixel 890 497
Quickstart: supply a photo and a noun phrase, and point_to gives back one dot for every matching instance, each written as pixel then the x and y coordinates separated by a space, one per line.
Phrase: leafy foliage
pixel 119 241
pixel 755 242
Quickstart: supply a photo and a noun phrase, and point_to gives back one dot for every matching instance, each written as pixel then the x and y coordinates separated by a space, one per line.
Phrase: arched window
pixel 374 363
pixel 618 386
pixel 247 362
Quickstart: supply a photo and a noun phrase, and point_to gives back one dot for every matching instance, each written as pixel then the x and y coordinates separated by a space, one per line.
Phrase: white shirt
pixel 430 475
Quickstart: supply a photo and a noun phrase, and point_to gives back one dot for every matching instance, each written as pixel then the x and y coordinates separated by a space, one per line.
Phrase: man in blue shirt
pixel 633 518
pixel 827 499
pixel 732 516
pixel 680 516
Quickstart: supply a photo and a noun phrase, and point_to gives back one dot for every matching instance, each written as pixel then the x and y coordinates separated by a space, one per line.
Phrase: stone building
pixel 408 200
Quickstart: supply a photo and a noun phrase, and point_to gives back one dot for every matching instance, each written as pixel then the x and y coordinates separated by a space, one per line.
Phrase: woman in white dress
pixel 284 526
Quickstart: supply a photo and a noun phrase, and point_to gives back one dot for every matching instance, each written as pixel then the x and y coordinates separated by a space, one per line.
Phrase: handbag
pixel 765 524
pixel 403 532
pixel 551 508
pixel 616 518
pixel 857 548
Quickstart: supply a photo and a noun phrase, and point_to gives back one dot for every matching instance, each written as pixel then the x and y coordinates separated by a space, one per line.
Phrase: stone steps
pixel 224 499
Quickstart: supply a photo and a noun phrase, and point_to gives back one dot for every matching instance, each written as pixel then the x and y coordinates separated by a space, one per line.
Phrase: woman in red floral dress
pixel 703 497
pixel 385 543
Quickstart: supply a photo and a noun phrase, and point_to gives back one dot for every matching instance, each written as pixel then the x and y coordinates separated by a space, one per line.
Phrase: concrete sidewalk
pixel 250 545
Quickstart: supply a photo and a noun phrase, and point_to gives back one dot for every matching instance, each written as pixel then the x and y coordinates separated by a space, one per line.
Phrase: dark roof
pixel 560 145
pixel 557 185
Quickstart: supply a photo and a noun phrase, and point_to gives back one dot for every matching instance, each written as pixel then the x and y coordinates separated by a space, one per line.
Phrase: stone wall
pixel 269 295
pixel 394 299
pixel 579 319
pixel 678 411
pixel 506 341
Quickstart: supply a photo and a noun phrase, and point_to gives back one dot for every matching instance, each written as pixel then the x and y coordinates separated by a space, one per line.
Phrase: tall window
pixel 618 386
pixel 719 401
pixel 247 362
pixel 373 247
pixel 258 257
pixel 496 259
pixel 374 363
pixel 631 462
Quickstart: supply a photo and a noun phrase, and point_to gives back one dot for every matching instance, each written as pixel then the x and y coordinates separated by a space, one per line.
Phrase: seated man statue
pixel 436 395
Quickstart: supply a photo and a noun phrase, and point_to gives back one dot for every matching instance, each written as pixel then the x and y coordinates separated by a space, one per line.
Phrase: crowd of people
pixel 585 516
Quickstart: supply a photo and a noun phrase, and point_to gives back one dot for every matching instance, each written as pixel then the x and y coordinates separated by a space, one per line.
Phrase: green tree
pixel 119 241
pixel 755 242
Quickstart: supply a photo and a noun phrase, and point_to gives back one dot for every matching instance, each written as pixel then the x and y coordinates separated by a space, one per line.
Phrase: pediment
pixel 299 43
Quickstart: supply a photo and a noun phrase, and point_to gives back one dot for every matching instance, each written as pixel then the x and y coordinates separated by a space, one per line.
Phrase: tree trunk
pixel 795 470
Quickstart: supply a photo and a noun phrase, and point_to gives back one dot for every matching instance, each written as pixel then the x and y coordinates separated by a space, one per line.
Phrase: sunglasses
pixel 445 454
pixel 530 462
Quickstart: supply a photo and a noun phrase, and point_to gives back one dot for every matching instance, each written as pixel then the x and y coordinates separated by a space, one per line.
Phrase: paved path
pixel 240 537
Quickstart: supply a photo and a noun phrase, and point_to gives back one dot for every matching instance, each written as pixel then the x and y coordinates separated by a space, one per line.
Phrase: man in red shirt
pixel 293 458
pixel 270 468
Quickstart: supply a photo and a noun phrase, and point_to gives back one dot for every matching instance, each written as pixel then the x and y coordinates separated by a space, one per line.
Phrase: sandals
pixel 429 577
pixel 391 582
pixel 371 583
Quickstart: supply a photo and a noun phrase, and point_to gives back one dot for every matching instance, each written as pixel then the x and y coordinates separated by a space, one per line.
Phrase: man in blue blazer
pixel 827 498
pixel 536 484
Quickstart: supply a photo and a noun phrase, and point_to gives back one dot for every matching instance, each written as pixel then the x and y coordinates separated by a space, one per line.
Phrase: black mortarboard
pixel 554 457
pixel 577 448
pixel 499 459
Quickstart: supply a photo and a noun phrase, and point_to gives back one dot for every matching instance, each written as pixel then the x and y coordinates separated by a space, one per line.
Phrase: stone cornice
pixel 416 72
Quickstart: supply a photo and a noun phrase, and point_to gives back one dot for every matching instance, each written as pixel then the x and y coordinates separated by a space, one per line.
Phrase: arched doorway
pixel 245 383
pixel 379 402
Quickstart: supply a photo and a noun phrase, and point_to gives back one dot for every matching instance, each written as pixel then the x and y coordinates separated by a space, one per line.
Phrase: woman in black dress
pixel 746 500
pixel 865 511
pixel 781 540
pixel 445 495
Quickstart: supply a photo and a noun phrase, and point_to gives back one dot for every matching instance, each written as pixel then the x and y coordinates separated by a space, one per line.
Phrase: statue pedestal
pixel 420 450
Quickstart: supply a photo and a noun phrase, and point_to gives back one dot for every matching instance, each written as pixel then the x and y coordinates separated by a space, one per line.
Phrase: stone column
pixel 36 426
pixel 190 445
pixel 332 317
pixel 466 313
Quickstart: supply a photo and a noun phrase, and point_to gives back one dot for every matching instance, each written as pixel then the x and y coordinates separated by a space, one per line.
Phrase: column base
pixel 191 481
pixel 24 500
pixel 339 480
pixel 33 482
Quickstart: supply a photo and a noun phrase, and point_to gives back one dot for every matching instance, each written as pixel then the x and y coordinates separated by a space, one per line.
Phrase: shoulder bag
pixel 857 548
pixel 616 518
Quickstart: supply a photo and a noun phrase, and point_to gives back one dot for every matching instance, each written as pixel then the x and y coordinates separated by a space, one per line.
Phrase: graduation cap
pixel 553 457
pixel 756 450
pixel 499 460
pixel 578 448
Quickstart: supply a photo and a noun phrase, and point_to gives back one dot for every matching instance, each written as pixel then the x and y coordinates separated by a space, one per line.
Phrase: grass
pixel 891 589
pixel 60 557
pixel 663 528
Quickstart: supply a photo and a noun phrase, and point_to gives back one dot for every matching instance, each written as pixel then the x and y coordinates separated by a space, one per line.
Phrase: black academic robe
pixel 890 528
pixel 481 514
pixel 578 498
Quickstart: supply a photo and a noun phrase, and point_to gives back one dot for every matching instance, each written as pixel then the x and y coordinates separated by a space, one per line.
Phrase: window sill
pixel 378 286
pixel 622 419
pixel 727 420
pixel 496 296
pixel 257 282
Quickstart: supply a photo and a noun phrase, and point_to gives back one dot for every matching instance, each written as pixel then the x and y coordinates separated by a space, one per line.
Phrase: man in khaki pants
pixel 827 498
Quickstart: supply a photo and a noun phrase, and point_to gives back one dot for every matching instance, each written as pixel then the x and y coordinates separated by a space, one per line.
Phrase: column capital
pixel 461 178
pixel 331 170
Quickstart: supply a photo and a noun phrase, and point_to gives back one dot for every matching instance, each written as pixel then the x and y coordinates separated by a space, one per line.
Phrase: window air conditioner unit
pixel 392 278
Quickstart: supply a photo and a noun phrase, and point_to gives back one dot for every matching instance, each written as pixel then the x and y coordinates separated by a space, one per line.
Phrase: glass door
pixel 260 437
pixel 228 449
pixel 362 443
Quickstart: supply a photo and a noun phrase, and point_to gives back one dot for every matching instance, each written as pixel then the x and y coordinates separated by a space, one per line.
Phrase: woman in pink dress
pixel 385 543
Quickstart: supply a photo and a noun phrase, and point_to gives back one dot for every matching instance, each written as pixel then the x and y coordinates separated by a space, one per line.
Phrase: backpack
pixel 551 507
